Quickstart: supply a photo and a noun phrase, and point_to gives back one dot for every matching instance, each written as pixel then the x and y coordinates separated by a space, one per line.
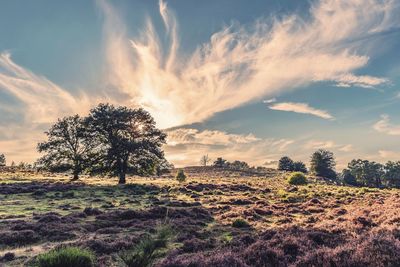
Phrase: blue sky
pixel 243 80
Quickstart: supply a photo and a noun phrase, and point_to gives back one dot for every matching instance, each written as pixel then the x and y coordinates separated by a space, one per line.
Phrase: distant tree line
pixel 372 174
pixel 110 140
pixel 234 165
pixel 358 172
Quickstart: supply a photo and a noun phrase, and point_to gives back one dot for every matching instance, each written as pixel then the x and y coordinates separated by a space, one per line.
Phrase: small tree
pixel 299 166
pixel 285 164
pixel 204 160
pixel 323 164
pixel 67 147
pixel 2 160
pixel 180 176
pixel 220 163
pixel 128 140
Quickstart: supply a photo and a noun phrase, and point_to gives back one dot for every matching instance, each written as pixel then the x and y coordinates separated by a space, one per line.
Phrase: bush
pixel 297 178
pixel 299 166
pixel 180 176
pixel 240 223
pixel 148 249
pixel 67 257
pixel 285 164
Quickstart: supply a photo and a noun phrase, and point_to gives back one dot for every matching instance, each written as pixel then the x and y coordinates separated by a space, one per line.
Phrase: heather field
pixel 214 218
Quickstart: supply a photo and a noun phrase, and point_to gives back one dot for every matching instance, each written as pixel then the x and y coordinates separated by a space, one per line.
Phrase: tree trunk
pixel 122 171
pixel 122 179
pixel 76 170
pixel 76 176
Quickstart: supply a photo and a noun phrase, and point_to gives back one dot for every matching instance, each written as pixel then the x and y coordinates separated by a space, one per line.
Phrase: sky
pixel 243 80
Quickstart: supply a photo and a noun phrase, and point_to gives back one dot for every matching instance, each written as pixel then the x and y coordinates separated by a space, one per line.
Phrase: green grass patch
pixel 66 257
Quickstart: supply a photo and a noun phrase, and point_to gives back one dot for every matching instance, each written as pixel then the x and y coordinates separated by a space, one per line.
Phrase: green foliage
pixel 285 164
pixel 68 146
pixel 127 139
pixel 2 160
pixel 180 176
pixel 299 166
pixel 366 173
pixel 240 223
pixel 297 178
pixel 149 249
pixel 323 164
pixel 239 165
pixel 220 163
pixel 392 174
pixel 66 257
pixel 348 178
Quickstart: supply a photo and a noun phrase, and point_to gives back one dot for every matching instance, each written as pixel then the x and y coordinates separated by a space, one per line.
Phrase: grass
pixel 149 248
pixel 66 257
pixel 266 202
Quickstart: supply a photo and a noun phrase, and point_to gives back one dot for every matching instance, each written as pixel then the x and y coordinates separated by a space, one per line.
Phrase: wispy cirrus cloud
pixel 244 63
pixel 348 80
pixel 302 108
pixel 239 64
pixel 384 126
pixel 43 100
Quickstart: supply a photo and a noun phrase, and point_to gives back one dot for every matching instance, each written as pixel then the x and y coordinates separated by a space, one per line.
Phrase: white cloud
pixel 384 126
pixel 348 80
pixel 44 101
pixel 245 63
pixel 318 144
pixel 302 108
pixel 237 65
pixel 346 148
pixel 269 101
pixel 389 155
pixel 207 137
pixel 186 146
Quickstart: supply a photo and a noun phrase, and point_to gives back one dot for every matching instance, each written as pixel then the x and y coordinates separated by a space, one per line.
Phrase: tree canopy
pixel 68 146
pixel 285 164
pixel 128 140
pixel 323 164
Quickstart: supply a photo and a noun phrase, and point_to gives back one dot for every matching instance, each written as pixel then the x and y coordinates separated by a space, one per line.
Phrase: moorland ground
pixel 218 218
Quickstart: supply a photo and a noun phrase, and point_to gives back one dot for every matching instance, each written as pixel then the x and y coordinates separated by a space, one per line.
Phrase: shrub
pixel 180 176
pixel 240 223
pixel 299 166
pixel 150 248
pixel 66 257
pixel 285 164
pixel 9 256
pixel 297 178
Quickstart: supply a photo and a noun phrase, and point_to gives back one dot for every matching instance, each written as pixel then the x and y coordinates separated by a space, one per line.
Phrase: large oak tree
pixel 128 139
